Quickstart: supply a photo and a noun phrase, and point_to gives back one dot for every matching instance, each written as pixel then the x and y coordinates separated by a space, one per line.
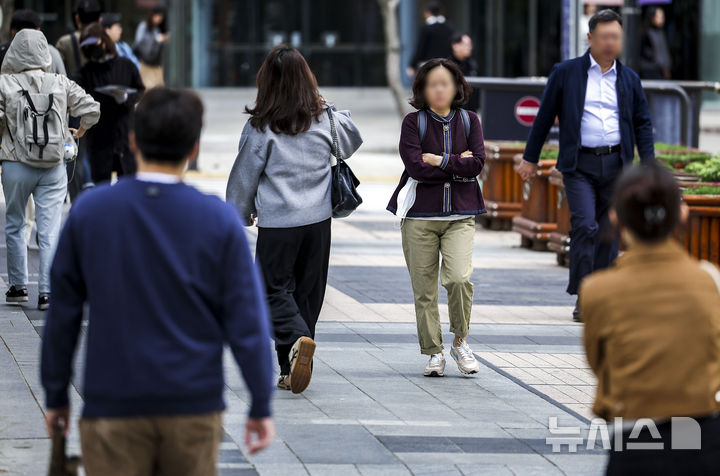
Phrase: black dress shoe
pixel 16 294
pixel 576 313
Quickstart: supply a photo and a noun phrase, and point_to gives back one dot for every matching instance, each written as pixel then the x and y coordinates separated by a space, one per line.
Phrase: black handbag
pixel 345 198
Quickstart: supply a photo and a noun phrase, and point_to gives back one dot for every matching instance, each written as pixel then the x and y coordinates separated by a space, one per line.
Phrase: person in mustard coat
pixel 652 331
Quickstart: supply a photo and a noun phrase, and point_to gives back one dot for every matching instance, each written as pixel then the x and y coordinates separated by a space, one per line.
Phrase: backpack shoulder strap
pixel 421 124
pixel 465 116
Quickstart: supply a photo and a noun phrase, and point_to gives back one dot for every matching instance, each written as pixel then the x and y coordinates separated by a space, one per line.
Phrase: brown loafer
pixel 301 356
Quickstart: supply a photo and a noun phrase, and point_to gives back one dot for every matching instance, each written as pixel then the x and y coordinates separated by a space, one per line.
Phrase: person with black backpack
pixel 34 106
pixel 437 199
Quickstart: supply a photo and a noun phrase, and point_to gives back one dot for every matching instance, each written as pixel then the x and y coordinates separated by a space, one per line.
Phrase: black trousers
pixel 294 263
pixel 669 461
pixel 593 242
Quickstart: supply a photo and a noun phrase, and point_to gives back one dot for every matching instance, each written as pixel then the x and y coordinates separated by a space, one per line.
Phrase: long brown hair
pixel 288 98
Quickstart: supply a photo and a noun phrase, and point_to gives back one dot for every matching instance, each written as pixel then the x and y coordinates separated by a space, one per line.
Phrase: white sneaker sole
pixel 434 373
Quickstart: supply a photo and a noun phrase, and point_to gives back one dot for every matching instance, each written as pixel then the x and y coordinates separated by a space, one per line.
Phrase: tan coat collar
pixel 667 250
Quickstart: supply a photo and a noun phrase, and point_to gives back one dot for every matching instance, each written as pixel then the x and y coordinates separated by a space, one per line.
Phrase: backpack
pixel 40 131
pixel 422 123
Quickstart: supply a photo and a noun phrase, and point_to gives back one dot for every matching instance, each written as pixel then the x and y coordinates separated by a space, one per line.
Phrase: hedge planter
pixel 538 217
pixel 501 185
pixel 559 240
pixel 701 234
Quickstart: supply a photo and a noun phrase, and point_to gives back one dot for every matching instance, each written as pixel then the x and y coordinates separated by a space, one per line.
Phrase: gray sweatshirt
pixel 285 180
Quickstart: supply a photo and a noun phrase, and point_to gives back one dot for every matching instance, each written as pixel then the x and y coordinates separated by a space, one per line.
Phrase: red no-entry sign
pixel 526 109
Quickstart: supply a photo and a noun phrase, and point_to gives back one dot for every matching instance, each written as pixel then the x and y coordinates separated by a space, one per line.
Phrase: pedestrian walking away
pixel 33 153
pixel 437 199
pixel 603 115
pixel 160 310
pixel 115 83
pixel 289 130
pixel 151 39
pixel 652 336
pixel 85 13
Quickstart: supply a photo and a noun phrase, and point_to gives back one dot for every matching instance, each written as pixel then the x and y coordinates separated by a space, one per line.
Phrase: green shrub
pixel 702 190
pixel 708 170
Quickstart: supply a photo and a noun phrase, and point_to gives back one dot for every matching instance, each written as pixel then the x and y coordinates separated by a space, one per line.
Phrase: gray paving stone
pixel 332 470
pixel 334 444
pixel 383 470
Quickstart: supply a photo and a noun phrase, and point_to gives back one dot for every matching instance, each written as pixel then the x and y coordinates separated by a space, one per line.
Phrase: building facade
pixel 221 43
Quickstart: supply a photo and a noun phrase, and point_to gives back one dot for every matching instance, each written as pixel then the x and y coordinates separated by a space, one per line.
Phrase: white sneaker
pixel 465 358
pixel 436 366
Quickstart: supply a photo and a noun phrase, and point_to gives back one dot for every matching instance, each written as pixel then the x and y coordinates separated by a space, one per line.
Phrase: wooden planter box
pixel 538 217
pixel 501 185
pixel 701 234
pixel 559 240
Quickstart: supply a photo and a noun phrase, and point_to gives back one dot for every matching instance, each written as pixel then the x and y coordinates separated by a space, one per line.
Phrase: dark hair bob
pixel 647 202
pixel 463 89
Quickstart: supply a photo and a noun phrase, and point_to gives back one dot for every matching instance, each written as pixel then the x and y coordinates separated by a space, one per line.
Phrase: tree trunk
pixel 392 54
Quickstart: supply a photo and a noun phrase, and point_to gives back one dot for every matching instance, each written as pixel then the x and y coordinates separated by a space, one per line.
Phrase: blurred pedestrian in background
pixel 437 200
pixel 168 278
pixel 652 333
pixel 150 40
pixel 86 12
pixel 655 59
pixel 115 83
pixel 462 49
pixel 113 27
pixel 656 63
pixel 33 152
pixel 434 38
pixel 282 176
pixel 22 19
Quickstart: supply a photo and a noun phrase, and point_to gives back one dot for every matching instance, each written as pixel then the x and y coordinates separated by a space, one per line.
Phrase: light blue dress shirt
pixel 600 124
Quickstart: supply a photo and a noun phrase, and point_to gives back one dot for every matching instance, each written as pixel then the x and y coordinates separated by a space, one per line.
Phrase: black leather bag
pixel 345 198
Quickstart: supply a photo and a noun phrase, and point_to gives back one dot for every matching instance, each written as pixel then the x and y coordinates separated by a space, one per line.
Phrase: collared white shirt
pixel 157 177
pixel 431 20
pixel 600 123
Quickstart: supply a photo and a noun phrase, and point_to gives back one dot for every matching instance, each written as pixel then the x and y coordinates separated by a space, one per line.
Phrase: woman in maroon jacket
pixel 437 199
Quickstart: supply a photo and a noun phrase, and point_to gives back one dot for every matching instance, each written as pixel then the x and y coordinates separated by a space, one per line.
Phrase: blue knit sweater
pixel 168 277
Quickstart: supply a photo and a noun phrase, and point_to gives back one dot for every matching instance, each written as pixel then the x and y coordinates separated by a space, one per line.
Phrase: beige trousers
pixel 184 445
pixel 424 241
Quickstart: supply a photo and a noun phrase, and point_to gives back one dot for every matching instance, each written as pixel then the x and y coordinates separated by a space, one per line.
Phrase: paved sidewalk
pixel 369 411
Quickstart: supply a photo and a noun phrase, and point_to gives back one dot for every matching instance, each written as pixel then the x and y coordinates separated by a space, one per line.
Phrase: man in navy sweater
pixel 603 113
pixel 168 277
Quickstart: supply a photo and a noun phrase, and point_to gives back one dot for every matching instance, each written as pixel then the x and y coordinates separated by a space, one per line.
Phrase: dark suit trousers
pixel 294 263
pixel 593 242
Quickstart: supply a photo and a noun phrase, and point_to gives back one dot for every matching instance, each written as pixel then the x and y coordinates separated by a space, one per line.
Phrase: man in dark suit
pixel 603 114
pixel 434 39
